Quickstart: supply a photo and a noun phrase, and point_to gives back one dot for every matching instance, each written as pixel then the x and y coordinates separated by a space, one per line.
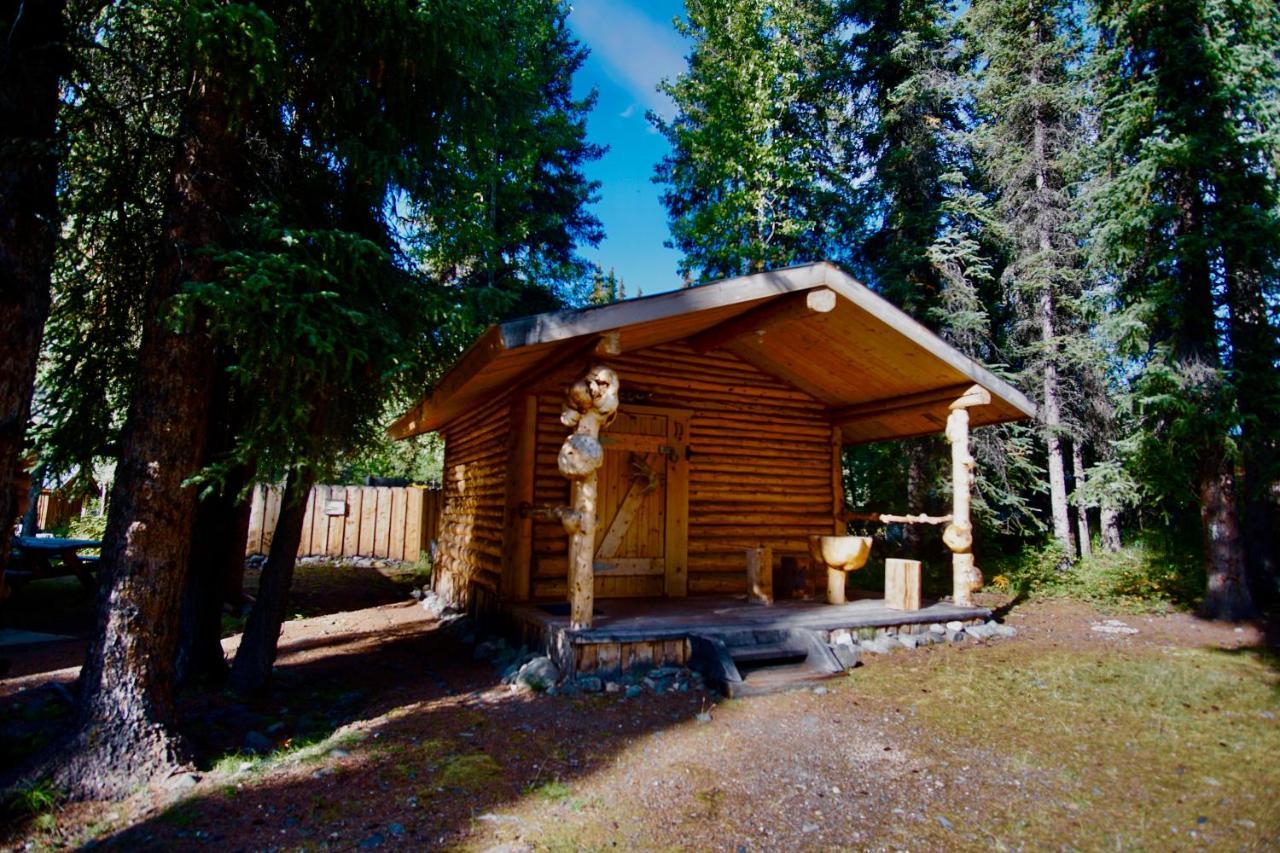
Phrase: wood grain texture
pixel 471 524
pixel 753 468
pixel 901 584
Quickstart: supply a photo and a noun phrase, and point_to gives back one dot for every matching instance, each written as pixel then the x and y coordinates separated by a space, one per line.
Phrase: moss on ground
pixel 468 772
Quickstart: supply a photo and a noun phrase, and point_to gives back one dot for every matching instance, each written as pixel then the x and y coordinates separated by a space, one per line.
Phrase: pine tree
pixel 33 58
pixel 904 70
pixel 298 138
pixel 604 288
pixel 1028 138
pixel 902 78
pixel 1186 221
pixel 757 177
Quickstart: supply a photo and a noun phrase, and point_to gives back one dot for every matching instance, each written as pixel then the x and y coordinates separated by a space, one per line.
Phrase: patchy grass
pixel 1140 748
pixel 35 806
pixel 295 752
pixel 469 772
pixel 552 792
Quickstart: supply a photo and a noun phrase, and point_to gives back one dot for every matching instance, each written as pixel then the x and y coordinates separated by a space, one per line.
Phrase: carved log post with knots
pixel 591 404
pixel 958 535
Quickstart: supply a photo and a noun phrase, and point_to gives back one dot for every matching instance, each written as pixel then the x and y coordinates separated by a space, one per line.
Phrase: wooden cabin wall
pixel 471 524
pixel 760 465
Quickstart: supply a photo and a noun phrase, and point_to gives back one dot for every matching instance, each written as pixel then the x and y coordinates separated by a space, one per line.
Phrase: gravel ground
pixel 383 732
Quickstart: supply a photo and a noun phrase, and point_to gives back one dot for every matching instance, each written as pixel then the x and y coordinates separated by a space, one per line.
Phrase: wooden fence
pixel 56 509
pixel 394 523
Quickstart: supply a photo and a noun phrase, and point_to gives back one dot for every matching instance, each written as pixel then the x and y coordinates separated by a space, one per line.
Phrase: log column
pixel 958 535
pixel 591 404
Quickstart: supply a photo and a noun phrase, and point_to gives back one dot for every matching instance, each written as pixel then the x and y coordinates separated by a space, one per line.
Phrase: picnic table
pixel 34 558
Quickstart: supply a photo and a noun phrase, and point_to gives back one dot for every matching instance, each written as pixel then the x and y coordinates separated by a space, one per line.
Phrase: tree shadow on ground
pixel 62 606
pixel 323 588
pixel 407 742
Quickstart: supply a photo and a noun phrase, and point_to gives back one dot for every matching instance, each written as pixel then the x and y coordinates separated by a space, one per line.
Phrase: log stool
pixel 901 584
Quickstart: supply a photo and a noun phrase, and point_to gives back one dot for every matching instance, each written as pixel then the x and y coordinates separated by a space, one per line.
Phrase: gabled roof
pixel 883 375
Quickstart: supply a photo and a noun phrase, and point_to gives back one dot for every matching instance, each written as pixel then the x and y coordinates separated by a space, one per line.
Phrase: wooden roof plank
pixel 820 353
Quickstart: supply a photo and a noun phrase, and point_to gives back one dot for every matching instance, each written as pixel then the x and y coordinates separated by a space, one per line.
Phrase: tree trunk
pixel 32 61
pixel 1082 512
pixel 31 518
pixel 917 496
pixel 1045 307
pixel 1197 351
pixel 217 542
pixel 1057 470
pixel 217 545
pixel 251 670
pixel 1228 595
pixel 124 734
pixel 1110 529
pixel 1255 350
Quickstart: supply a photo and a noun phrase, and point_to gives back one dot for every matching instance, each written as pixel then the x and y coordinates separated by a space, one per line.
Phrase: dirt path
pixel 387 735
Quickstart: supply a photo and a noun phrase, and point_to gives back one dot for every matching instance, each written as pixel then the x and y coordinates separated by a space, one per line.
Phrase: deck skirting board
pixel 635 634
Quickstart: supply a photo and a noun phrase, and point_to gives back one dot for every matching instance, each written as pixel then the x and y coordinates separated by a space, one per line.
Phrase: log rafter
pixel 900 405
pixel 775 312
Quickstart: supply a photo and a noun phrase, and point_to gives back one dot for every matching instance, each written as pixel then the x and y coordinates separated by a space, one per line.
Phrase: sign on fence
pixel 394 523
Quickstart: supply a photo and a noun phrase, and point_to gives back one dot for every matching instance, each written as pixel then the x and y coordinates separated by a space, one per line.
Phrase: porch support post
pixel 590 405
pixel 958 535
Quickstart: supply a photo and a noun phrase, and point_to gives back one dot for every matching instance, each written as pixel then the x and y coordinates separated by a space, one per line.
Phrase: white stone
pixel 842 636
pixel 1113 626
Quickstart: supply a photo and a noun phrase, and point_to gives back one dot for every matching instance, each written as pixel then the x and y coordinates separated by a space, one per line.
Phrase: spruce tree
pixel 280 269
pixel 1028 137
pixel 1185 218
pixel 757 178
pixel 33 58
pixel 903 70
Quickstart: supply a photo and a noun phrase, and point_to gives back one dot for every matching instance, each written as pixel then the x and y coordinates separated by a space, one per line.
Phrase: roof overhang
pixel 883 375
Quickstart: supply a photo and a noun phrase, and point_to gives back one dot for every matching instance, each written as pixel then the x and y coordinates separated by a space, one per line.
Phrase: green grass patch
pixel 305 750
pixel 552 792
pixel 38 798
pixel 1136 749
pixel 468 772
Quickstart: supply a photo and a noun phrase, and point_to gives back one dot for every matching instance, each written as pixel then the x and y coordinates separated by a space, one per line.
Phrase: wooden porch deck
pixel 638 632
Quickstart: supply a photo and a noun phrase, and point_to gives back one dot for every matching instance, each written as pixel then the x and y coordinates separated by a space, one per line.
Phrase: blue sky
pixel 633 46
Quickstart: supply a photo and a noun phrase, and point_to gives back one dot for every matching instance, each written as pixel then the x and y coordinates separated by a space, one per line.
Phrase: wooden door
pixel 641 530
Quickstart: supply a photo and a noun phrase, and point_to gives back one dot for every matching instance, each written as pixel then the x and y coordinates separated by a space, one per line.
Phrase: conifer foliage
pixel 1186 219
pixel 756 179
pixel 1083 195
pixel 259 269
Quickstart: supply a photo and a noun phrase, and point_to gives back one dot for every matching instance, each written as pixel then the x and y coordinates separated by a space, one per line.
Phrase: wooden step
pixel 743 664
pixel 778 679
pixel 787 652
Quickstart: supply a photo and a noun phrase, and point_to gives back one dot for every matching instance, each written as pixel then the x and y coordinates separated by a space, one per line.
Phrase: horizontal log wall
pixel 475 476
pixel 394 523
pixel 760 466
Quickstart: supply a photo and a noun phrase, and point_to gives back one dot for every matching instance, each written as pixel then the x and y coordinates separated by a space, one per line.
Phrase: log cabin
pixel 642 482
